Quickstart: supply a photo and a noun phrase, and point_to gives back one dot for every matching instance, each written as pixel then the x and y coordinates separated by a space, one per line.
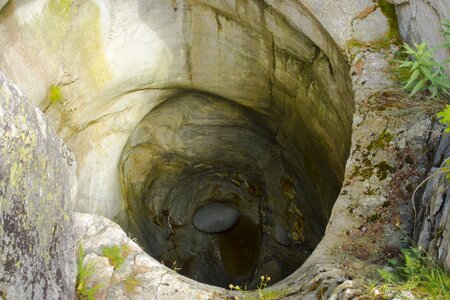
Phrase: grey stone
pixel 215 217
pixel 37 187
pixel 281 235
pixel 420 21
pixel 373 27
pixel 432 231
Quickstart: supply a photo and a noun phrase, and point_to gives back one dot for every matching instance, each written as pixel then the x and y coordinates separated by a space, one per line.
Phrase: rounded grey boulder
pixel 215 217
pixel 281 235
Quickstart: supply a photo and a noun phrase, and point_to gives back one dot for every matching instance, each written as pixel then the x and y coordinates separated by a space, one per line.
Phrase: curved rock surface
pixel 37 187
pixel 279 72
pixel 215 217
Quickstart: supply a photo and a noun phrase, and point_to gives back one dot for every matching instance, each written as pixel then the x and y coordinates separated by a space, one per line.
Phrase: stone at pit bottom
pixel 215 217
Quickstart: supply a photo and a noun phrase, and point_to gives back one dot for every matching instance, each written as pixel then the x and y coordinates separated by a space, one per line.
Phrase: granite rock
pixel 37 187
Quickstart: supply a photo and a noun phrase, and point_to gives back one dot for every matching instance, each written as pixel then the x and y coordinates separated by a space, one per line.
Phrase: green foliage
pixel 388 10
pixel 84 272
pixel 420 69
pixel 416 273
pixel 444 117
pixel 116 254
pixel 425 73
pixel 55 94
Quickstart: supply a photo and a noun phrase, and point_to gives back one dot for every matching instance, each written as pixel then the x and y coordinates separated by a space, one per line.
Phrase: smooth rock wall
pixel 117 60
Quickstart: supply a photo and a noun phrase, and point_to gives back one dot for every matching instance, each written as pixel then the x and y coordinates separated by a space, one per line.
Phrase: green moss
pixel 354 43
pixel 383 169
pixel 382 141
pixel 388 10
pixel 55 94
pixel 392 37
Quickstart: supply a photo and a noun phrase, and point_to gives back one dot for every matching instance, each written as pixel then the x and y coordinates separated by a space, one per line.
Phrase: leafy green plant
pixel 116 254
pixel 444 118
pixel 415 273
pixel 418 70
pixel 84 273
pixel 425 73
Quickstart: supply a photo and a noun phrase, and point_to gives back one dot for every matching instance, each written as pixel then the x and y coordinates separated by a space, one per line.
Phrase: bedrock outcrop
pixel 37 188
pixel 171 105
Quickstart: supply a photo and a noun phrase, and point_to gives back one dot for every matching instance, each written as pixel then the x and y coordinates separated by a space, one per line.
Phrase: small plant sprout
pixel 55 94
pixel 116 254
pixel 84 273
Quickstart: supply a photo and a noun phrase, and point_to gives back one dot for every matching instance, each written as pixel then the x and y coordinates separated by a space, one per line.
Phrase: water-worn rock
pixel 267 56
pixel 281 235
pixel 215 217
pixel 371 28
pixel 37 187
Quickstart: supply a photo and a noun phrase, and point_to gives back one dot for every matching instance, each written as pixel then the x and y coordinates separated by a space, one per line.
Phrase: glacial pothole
pixel 175 108
pixel 211 192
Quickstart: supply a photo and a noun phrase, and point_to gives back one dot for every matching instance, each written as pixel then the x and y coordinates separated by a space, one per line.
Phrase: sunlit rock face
pixel 173 105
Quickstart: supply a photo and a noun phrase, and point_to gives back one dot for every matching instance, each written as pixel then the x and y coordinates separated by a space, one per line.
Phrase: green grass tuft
pixel 85 271
pixel 415 273
pixel 116 254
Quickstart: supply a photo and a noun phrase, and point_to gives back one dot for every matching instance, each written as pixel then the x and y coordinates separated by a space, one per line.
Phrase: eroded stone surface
pixel 37 187
pixel 249 52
